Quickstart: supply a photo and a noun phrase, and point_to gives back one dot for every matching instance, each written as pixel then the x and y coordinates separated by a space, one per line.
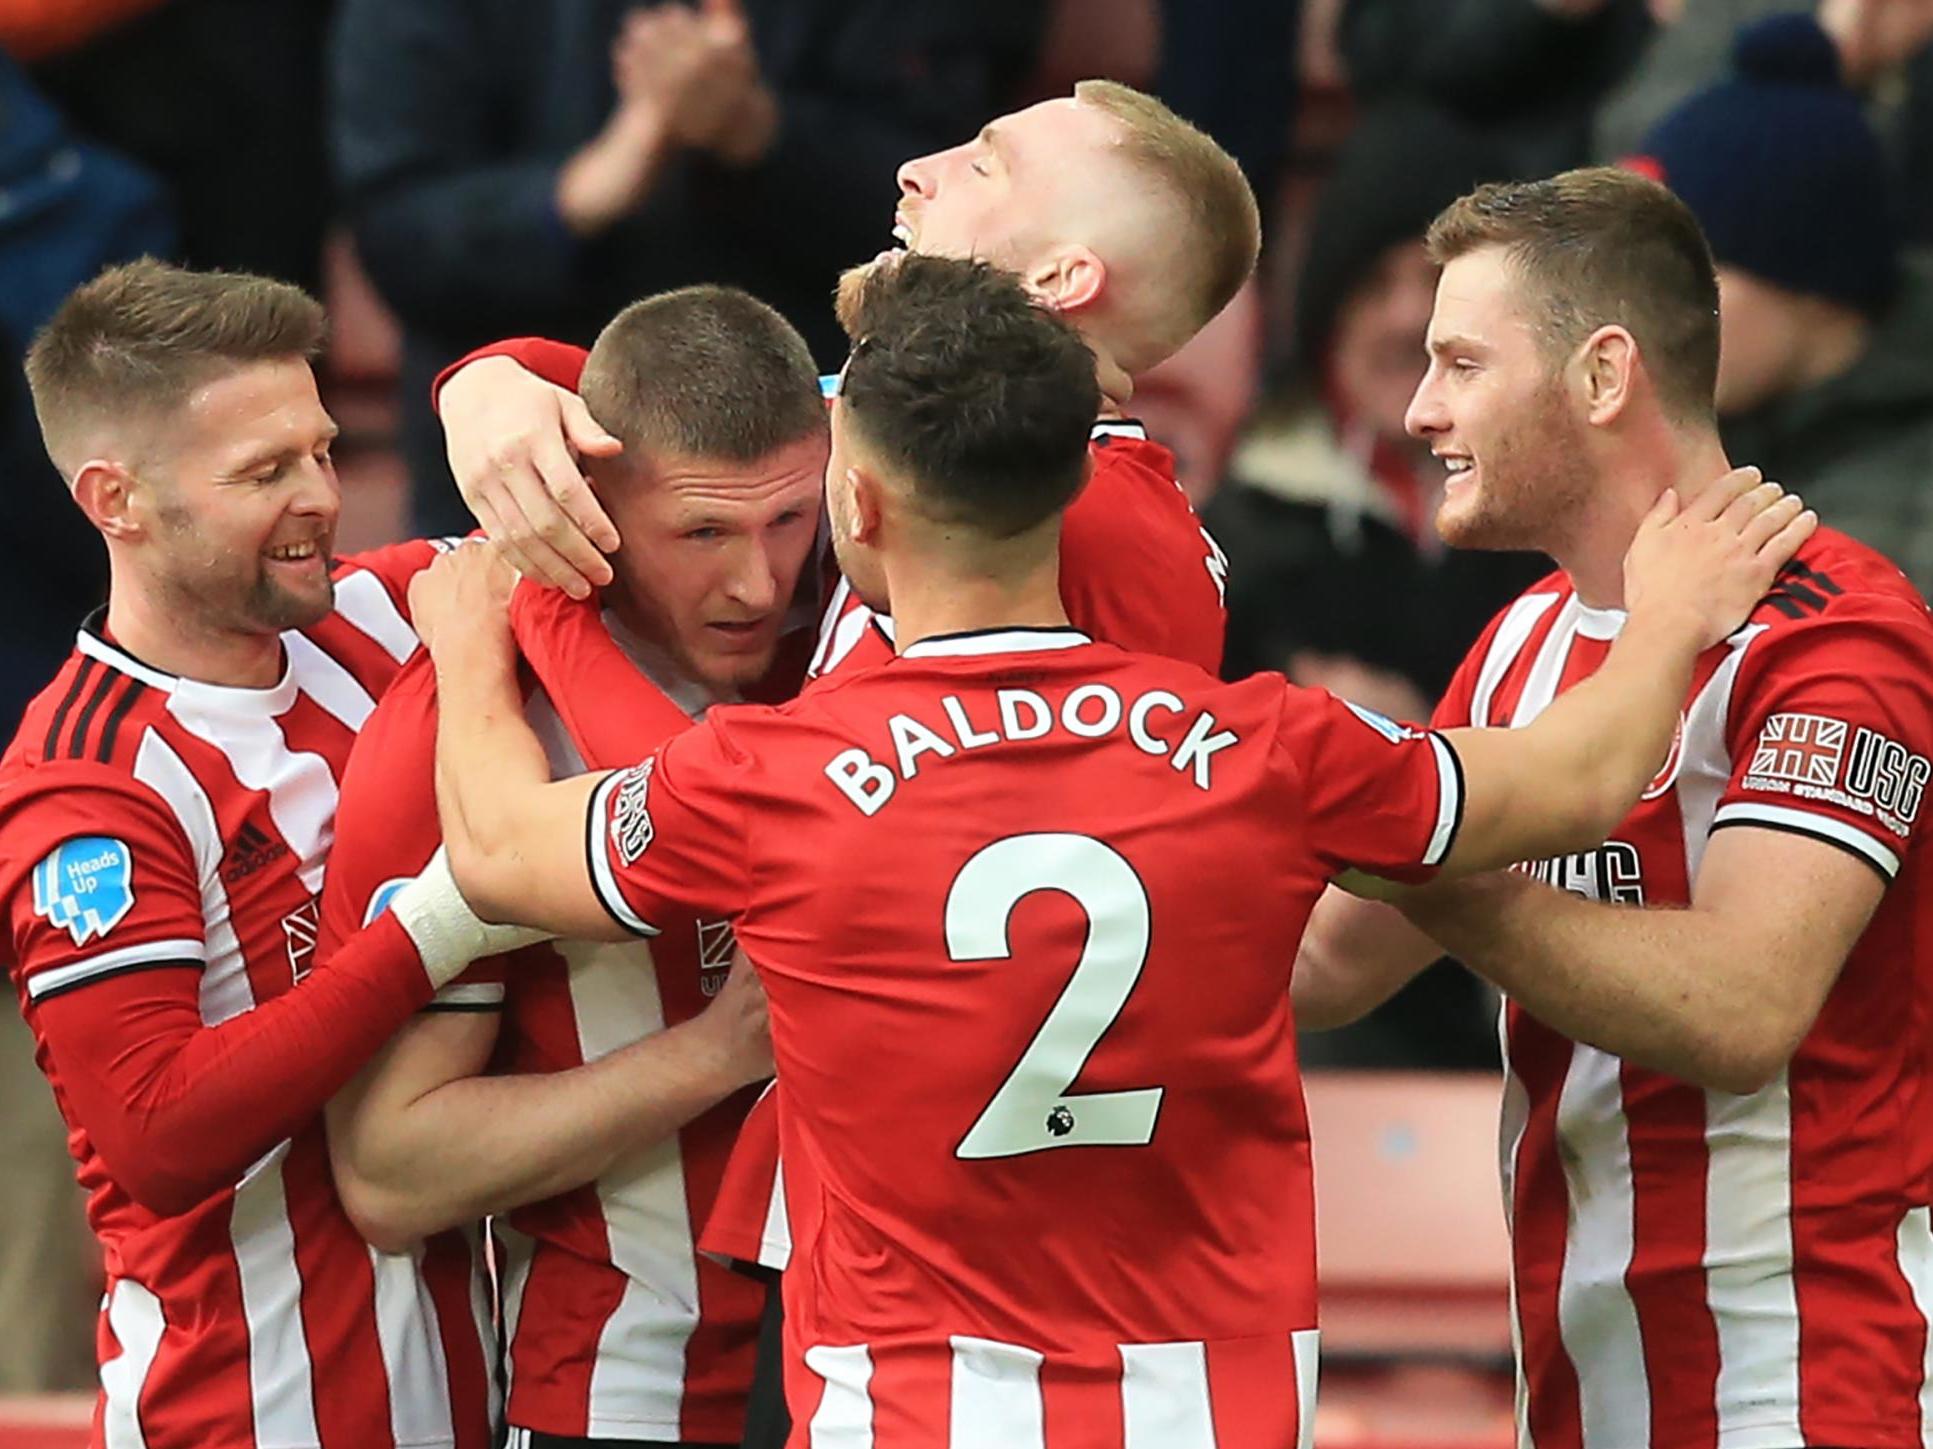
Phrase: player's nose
pixel 1427 413
pixel 916 177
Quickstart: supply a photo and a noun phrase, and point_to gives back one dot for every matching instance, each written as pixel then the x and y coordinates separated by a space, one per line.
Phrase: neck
pixel 176 643
pixel 1689 462
pixel 1116 386
pixel 935 595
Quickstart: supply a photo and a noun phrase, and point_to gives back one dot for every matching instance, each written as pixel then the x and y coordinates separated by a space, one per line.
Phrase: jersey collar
pixel 213 699
pixel 994 641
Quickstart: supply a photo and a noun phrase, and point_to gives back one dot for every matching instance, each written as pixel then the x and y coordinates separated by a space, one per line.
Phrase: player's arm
pixel 178 1108
pixel 515 430
pixel 421 1141
pixel 515 837
pixel 1354 955
pixel 1719 994
pixel 1563 782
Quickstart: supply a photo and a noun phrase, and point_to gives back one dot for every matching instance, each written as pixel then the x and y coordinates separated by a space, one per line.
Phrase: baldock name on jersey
pixel 1089 712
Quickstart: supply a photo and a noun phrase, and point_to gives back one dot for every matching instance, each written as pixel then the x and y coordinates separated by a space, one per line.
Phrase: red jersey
pixel 616 1327
pixel 179 830
pixel 1012 998
pixel 1697 1268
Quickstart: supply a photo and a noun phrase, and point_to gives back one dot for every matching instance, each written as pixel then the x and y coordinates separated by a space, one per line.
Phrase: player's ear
pixel 106 493
pixel 1604 372
pixel 1067 279
pixel 868 505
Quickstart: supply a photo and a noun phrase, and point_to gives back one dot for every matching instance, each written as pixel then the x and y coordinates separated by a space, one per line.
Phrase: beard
pixel 237 595
pixel 1534 478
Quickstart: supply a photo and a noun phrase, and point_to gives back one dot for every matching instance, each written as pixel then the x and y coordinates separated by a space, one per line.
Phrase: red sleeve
pixel 1831 730
pixel 387 828
pixel 1138 570
pixel 178 1110
pixel 668 836
pixel 98 880
pixel 1376 795
pixel 561 363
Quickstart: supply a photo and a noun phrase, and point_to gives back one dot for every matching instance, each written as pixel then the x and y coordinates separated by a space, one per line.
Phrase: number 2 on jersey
pixel 1033 1110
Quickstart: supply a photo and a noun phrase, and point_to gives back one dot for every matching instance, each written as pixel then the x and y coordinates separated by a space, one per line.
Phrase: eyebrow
pixel 1455 342
pixel 991 138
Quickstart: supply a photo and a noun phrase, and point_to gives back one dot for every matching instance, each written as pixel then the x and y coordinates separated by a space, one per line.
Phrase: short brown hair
pixel 1597 246
pixel 978 397
pixel 704 372
pixel 1205 181
pixel 136 340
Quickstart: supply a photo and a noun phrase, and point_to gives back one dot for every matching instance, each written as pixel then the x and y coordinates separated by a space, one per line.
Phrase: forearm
pixel 1354 955
pixel 488 764
pixel 484 1144
pixel 1666 989
pixel 179 1110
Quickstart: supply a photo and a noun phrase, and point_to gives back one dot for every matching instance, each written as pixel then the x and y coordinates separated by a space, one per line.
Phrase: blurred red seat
pixel 46 1421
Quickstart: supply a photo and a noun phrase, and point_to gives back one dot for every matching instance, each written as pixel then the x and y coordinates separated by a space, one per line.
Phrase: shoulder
pixel 1841 590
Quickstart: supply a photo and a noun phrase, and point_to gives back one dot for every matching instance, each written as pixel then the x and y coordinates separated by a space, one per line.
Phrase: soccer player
pixel 1717 1146
pixel 600 1137
pixel 1036 1051
pixel 165 814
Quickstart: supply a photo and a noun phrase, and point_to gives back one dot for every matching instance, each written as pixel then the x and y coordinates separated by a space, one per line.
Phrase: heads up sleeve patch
pixel 85 886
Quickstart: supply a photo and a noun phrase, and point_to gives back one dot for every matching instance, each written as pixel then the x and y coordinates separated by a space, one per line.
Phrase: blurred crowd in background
pixel 447 172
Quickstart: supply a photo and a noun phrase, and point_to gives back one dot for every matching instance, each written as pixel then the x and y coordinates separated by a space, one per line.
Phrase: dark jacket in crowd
pixel 453 118
pixel 1859 446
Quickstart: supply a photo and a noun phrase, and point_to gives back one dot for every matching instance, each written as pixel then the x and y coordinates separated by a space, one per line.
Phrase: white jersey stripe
pixel 301 789
pixel 1595 1315
pixel 409 1335
pixel 483 1313
pixel 326 682
pixel 136 1318
pixel 1513 1122
pixel 1704 765
pixel 1783 817
pixel 844 1418
pixel 638 1377
pixel 1306 1345
pixel 1504 648
pixel 1164 1396
pixel 281 1381
pixel 1749 1264
pixel 1916 1263
pixel 996 1396
pixel 109 962
pixel 775 1240
pixel 225 991
pixel 363 601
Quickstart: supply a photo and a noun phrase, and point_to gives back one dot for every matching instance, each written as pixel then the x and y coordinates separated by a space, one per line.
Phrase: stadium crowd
pixel 1263 470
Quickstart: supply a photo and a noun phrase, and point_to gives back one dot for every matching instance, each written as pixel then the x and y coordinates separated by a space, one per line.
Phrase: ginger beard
pixel 1524 485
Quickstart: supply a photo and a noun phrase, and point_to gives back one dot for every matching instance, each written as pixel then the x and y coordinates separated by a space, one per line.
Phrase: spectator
pixel 1826 370
pixel 1335 570
pixel 1336 574
pixel 1884 53
pixel 222 99
pixel 531 168
pixel 1527 73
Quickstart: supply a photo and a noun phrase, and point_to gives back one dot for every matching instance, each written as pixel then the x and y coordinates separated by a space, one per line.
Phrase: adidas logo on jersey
pixel 250 851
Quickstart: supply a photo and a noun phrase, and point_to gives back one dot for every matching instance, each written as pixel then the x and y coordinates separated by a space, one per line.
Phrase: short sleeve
pixel 1831 733
pixel 99 881
pixel 387 828
pixel 668 836
pixel 1376 795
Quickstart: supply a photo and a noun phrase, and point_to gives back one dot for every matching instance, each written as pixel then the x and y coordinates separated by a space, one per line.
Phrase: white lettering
pixel 1070 711
pixel 1138 719
pixel 913 739
pixel 1010 701
pixel 861 779
pixel 1198 746
pixel 969 738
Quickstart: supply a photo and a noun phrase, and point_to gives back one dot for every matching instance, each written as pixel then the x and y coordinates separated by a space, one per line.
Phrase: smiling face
pixel 712 553
pixel 239 518
pixel 1495 408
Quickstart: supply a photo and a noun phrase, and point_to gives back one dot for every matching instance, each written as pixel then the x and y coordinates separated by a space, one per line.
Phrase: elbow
pixel 388 1221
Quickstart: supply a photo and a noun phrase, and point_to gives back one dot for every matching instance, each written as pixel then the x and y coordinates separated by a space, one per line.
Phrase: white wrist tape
pixel 448 934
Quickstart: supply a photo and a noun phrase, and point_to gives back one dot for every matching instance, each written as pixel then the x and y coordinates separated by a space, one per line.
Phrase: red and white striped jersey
pixel 1137 570
pixel 616 1326
pixel 1697 1268
pixel 1034 1056
pixel 171 823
